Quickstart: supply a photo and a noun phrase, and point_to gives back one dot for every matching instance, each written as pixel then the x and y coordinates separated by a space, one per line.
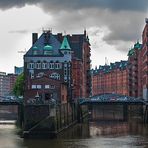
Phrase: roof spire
pixel 85 31
pixel 64 32
pixel 65 44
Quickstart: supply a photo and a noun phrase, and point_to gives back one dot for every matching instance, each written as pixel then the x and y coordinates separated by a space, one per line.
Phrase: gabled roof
pixel 73 42
pixel 40 45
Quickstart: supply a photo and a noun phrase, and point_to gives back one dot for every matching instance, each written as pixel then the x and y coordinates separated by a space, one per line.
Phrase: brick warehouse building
pixel 53 64
pixel 135 70
pixel 135 74
pixel 7 82
pixel 111 78
pixel 144 61
pixel 138 67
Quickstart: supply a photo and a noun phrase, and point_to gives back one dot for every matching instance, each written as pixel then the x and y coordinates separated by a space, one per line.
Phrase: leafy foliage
pixel 19 85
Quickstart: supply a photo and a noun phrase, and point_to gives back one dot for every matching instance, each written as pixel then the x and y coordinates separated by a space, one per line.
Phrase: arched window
pixel 51 65
pixel 41 74
pixel 38 65
pixel 55 76
pixel 44 65
pixel 31 65
pixel 57 65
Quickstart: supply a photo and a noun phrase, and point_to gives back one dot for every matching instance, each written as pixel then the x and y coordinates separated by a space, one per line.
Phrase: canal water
pixel 88 135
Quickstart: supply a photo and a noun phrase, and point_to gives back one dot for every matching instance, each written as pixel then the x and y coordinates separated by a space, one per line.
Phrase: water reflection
pixel 88 135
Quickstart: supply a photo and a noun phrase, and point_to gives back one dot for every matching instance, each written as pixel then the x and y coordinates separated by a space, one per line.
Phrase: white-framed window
pixel 31 65
pixel 38 86
pixel 58 77
pixel 51 65
pixel 57 65
pixel 44 65
pixel 52 75
pixel 47 86
pixel 55 76
pixel 33 86
pixel 41 74
pixel 32 75
pixel 38 65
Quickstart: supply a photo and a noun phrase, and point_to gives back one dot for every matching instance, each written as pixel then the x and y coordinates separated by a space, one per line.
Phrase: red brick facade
pixel 47 91
pixel 133 80
pixel 60 61
pixel 110 79
pixel 81 69
pixel 134 71
pixel 144 61
pixel 138 67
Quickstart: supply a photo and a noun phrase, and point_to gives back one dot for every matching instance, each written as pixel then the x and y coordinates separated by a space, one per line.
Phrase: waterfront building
pixel 135 70
pixel 52 66
pixel 18 70
pixel 138 67
pixel 7 82
pixel 81 64
pixel 11 82
pixel 144 61
pixel 3 89
pixel 111 78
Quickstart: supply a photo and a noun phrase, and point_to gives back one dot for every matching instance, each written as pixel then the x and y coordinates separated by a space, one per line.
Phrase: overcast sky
pixel 113 26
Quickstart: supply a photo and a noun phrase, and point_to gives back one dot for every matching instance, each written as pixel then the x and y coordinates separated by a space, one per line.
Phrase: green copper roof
pixel 110 67
pixel 65 44
pixel 131 52
pixel 137 45
pixel 121 65
pixel 34 48
pixel 47 47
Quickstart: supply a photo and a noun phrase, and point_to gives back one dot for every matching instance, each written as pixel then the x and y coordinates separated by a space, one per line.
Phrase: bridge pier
pixel 125 112
pixel 46 121
pixel 145 118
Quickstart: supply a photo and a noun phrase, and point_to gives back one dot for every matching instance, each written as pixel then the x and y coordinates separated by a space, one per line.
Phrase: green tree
pixel 19 85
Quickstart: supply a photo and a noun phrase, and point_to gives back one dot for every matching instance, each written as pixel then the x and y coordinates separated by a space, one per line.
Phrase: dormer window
pixel 35 50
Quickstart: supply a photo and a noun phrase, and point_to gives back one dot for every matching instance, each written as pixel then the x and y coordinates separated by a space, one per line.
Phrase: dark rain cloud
pixel 78 4
pixel 123 18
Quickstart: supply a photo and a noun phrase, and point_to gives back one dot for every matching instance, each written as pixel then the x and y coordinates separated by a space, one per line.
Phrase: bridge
pixel 11 109
pixel 113 106
pixel 6 101
pixel 111 99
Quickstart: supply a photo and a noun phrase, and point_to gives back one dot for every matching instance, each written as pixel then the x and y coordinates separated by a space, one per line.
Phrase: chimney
pixel 146 20
pixel 34 37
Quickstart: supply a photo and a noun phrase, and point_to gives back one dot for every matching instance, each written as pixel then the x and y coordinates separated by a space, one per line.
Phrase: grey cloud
pixel 78 4
pixel 19 31
pixel 123 18
pixel 124 26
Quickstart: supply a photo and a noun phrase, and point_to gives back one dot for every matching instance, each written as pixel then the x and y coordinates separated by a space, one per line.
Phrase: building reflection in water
pixel 96 134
